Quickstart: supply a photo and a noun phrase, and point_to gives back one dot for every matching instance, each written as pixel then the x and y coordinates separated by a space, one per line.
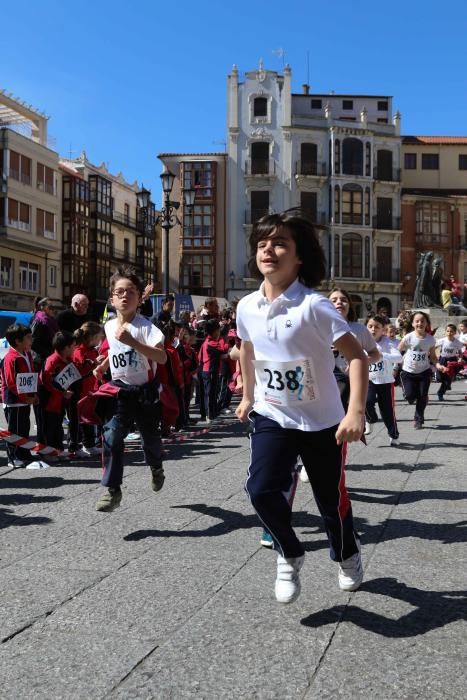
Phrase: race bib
pixel 26 382
pixel 416 361
pixel 129 366
pixel 286 383
pixel 376 370
pixel 68 376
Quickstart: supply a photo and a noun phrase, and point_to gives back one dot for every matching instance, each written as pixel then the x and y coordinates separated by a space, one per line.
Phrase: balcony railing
pixel 387 174
pixel 311 168
pixel 46 187
pixel 393 275
pixel 22 225
pixel 387 223
pixel 21 177
pixel 122 255
pixel 124 219
pixel 260 166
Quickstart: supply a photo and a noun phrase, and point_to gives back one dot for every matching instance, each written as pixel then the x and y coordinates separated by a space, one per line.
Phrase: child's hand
pixel 124 336
pixel 350 428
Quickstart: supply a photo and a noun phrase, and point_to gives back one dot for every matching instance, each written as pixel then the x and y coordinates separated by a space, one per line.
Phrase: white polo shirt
pixel 126 364
pixel 417 355
pixel 292 338
pixel 382 372
pixel 450 348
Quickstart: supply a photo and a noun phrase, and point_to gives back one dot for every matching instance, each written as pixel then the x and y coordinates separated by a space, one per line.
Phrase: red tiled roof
pixel 434 140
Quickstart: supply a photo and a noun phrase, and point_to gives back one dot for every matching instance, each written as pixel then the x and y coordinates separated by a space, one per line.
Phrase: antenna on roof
pixel 221 143
pixel 307 67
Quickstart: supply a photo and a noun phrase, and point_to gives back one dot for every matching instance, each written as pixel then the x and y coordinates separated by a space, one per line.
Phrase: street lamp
pixel 145 225
pixel 168 218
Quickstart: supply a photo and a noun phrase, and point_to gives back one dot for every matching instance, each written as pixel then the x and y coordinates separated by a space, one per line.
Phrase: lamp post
pixel 168 218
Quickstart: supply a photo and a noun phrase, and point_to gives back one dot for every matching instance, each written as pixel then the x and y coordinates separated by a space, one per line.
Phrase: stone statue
pixel 437 279
pixel 425 296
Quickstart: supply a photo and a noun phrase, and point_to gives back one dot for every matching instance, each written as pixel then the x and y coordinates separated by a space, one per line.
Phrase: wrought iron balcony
pixel 260 166
pixel 387 174
pixel 311 168
pixel 387 223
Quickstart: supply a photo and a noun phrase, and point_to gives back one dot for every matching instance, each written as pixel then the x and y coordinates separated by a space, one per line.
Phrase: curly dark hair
pixel 304 233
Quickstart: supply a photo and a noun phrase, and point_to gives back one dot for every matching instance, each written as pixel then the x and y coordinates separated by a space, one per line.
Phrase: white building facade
pixel 335 156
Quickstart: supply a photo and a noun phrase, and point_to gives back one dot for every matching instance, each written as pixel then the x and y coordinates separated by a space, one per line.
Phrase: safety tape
pixel 30 445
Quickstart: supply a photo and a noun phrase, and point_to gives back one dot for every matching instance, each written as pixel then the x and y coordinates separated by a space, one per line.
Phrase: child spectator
pixel 135 346
pixel 85 357
pixel 19 389
pixel 212 351
pixel 57 378
pixel 189 361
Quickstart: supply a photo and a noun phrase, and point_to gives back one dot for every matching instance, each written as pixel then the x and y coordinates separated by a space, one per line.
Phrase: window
pixel 352 157
pixel 462 161
pixel 368 159
pixel 384 213
pixel 45 224
pixel 6 273
pixel 430 161
pixel 198 227
pixel 126 214
pixel 309 159
pixel 337 205
pixel 382 105
pixel 337 157
pixel 260 107
pixel 352 204
pixel 28 276
pixel 384 165
pixel 199 175
pixel 308 202
pixel 45 179
pixel 382 120
pixel 19 214
pixel 351 255
pixel 100 196
pixel 126 248
pixel 259 158
pixel 316 104
pixel 20 167
pixel 367 206
pixel 52 276
pixel 432 222
pixel 197 274
pixel 410 161
pixel 347 104
pixel 259 205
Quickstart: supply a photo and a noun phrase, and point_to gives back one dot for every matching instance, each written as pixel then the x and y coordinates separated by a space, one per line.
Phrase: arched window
pixel 352 255
pixel 260 107
pixel 352 204
pixel 308 158
pixel 337 204
pixel 337 157
pixel 352 157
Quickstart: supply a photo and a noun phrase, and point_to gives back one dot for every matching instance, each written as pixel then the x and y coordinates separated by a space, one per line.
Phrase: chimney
pixel 306 89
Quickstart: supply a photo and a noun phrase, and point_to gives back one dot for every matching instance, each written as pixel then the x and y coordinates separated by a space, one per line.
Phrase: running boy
pixel 449 361
pixel 135 348
pixel 19 389
pixel 287 331
pixel 381 376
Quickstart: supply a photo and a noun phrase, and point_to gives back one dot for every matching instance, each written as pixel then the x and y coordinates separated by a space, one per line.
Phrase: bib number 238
pixel 286 383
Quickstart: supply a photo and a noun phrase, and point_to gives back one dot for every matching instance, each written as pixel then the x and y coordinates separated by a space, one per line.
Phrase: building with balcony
pixel 30 208
pixel 434 205
pixel 197 243
pixel 102 229
pixel 335 156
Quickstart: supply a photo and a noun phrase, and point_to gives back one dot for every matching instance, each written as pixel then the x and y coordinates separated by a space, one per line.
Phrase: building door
pixel 308 203
pixel 309 159
pixel 384 167
pixel 384 213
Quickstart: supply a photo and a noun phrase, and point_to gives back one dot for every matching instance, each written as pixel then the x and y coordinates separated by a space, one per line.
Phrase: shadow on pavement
pixel 42 482
pixel 384 496
pixel 400 466
pixel 433 609
pixel 9 517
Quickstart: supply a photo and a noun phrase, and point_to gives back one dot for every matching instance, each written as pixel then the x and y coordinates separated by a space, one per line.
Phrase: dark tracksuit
pixel 415 387
pixel 384 395
pixel 209 361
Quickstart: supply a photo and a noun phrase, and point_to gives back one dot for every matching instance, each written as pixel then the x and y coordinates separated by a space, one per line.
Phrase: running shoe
pixel 109 500
pixel 393 441
pixel 78 454
pixel 133 437
pixel 157 478
pixel 288 586
pixel 440 396
pixel 351 572
pixel 92 451
pixel 303 475
pixel 368 428
pixel 417 425
pixel 16 463
pixel 266 539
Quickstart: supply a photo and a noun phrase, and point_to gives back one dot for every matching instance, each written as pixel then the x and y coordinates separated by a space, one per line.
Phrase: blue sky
pixel 127 80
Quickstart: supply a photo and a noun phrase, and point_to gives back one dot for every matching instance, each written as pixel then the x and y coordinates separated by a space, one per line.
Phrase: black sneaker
pixel 157 478
pixel 417 425
pixel 109 500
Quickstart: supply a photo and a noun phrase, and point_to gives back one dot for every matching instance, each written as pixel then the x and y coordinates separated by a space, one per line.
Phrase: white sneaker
pixel 303 476
pixel 92 451
pixel 351 572
pixel 133 437
pixel 79 454
pixel 288 582
pixel 16 464
pixel 393 441
pixel 368 428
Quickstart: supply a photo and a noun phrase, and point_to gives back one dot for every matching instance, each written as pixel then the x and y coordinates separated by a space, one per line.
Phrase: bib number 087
pixel 124 359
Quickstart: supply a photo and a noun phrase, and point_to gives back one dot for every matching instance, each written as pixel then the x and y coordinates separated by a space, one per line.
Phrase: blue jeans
pixel 130 409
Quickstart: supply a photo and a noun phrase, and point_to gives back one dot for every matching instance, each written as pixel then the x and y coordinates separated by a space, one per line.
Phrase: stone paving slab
pixel 172 596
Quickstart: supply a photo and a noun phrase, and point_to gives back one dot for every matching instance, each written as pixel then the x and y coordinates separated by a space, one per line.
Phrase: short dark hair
pixel 15 332
pixel 127 273
pixel 304 233
pixel 62 340
pixel 211 300
pixel 378 318
pixel 169 297
pixel 351 316
pixel 211 326
pixel 451 325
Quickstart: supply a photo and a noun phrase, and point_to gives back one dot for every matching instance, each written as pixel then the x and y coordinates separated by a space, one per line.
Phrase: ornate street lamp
pixel 168 218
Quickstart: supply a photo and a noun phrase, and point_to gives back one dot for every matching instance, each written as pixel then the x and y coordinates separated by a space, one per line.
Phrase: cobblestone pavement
pixel 172 596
